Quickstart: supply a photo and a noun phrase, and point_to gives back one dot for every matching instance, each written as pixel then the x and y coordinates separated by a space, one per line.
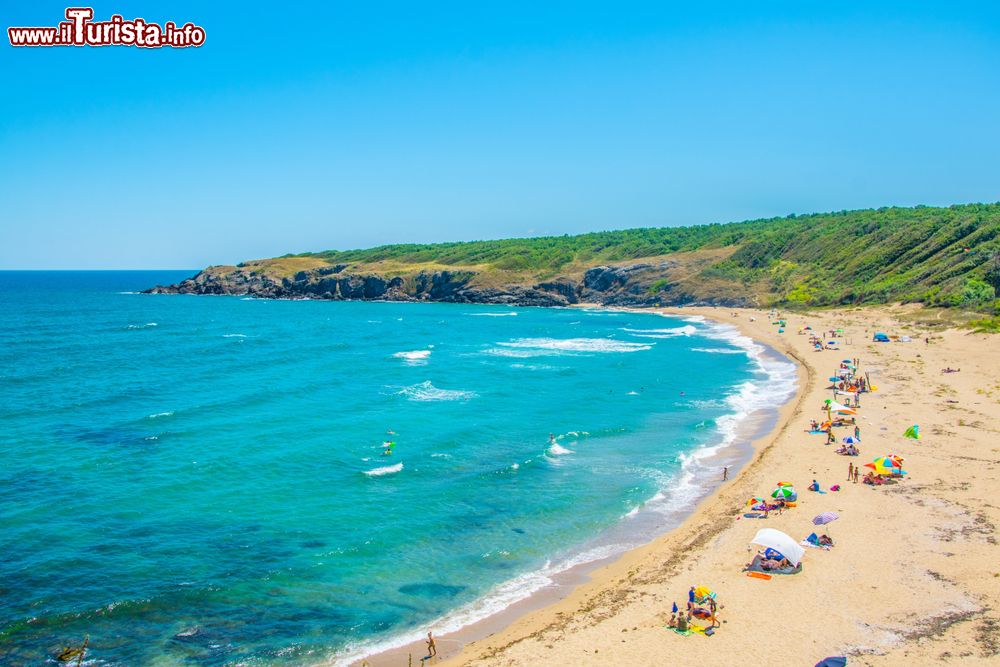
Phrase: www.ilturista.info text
pixel 81 30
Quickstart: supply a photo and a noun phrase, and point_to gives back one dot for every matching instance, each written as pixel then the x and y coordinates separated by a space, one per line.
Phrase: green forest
pixel 936 256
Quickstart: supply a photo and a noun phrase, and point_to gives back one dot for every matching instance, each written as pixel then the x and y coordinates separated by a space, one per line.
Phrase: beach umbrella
pixel 756 501
pixel 784 493
pixel 701 592
pixel 825 518
pixel 912 432
pixel 835 378
pixel 847 361
pixel 889 461
pixel 769 538
pixel 851 440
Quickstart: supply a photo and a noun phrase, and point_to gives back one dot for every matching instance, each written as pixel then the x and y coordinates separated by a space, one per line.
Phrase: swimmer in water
pixel 388 448
pixel 552 439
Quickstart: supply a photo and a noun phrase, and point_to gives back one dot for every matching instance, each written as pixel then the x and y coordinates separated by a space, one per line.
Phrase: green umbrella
pixel 784 492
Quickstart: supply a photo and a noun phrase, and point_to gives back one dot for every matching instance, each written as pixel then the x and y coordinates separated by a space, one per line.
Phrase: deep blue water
pixel 196 480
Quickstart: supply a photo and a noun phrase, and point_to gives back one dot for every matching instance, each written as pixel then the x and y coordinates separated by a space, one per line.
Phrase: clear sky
pixel 305 126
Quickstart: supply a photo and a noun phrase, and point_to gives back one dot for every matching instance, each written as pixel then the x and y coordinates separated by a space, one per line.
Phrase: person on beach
pixel 691 599
pixel 856 475
pixel 682 621
pixel 850 471
pixel 857 432
pixel 712 608
pixel 725 473
pixel 431 646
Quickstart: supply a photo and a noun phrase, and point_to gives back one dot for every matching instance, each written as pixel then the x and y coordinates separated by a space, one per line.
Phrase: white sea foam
pixel 548 346
pixel 776 384
pixel 414 357
pixel 147 325
pixel 496 600
pixel 425 391
pixel 674 332
pixel 160 414
pixel 718 350
pixel 558 450
pixel 384 470
pixel 510 314
pixel 234 335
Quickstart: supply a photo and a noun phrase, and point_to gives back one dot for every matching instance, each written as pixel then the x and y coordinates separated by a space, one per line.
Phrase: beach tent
pixel 881 338
pixel 770 538
pixel 835 661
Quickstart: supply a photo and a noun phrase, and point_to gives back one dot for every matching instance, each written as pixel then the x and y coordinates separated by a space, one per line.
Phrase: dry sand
pixel 914 578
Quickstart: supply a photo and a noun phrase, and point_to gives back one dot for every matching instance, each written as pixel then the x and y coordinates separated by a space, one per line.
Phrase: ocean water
pixel 201 480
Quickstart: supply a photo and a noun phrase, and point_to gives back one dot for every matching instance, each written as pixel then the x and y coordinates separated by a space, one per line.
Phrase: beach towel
pixel 813 543
pixel 683 633
pixel 755 566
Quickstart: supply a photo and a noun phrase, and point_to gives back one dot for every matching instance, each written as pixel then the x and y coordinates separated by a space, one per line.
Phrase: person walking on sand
pixel 850 471
pixel 431 646
pixel 725 473
pixel 856 475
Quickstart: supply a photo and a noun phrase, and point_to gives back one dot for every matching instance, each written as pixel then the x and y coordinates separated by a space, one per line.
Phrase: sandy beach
pixel 914 576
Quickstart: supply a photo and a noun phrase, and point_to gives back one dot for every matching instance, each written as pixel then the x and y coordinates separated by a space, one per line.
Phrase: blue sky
pixel 309 126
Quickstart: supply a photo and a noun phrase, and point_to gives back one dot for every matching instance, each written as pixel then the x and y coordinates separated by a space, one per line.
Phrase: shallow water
pixel 201 480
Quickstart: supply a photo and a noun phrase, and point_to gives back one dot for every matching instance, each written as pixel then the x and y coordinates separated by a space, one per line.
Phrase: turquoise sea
pixel 201 480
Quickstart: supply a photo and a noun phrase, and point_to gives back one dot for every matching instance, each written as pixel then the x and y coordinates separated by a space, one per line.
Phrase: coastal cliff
pixel 625 285
pixel 946 257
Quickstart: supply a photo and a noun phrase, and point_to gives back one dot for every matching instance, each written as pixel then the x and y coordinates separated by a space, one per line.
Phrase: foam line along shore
pixel 753 409
pixel 903 596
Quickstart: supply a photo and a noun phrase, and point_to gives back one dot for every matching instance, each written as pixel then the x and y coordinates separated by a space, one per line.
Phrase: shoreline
pixel 913 578
pixel 738 454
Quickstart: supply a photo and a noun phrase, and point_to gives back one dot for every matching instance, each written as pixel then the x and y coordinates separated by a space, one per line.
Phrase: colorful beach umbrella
pixel 825 518
pixel 756 500
pixel 784 493
pixel 912 432
pixel 886 465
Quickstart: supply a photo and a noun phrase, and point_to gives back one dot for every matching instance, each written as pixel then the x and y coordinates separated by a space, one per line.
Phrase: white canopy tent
pixel 775 539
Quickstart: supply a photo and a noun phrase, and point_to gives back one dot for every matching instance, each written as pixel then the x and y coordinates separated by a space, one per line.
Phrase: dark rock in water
pixel 431 590
pixel 519 531
pixel 313 544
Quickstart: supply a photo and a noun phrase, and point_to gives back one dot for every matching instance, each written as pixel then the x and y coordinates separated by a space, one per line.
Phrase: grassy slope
pixel 867 256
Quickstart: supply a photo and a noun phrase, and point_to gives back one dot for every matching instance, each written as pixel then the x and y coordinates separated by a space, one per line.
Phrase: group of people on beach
pixel 704 608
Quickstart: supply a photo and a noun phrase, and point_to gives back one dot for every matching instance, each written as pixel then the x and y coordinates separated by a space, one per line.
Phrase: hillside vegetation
pixel 936 256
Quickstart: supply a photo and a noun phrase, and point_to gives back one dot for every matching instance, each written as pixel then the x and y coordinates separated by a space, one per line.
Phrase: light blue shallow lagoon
pixel 202 480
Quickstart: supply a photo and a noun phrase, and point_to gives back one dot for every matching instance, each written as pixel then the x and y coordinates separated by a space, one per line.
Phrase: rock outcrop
pixel 624 285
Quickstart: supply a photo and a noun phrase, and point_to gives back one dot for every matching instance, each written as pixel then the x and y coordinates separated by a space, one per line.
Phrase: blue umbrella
pixel 851 440
pixel 837 661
